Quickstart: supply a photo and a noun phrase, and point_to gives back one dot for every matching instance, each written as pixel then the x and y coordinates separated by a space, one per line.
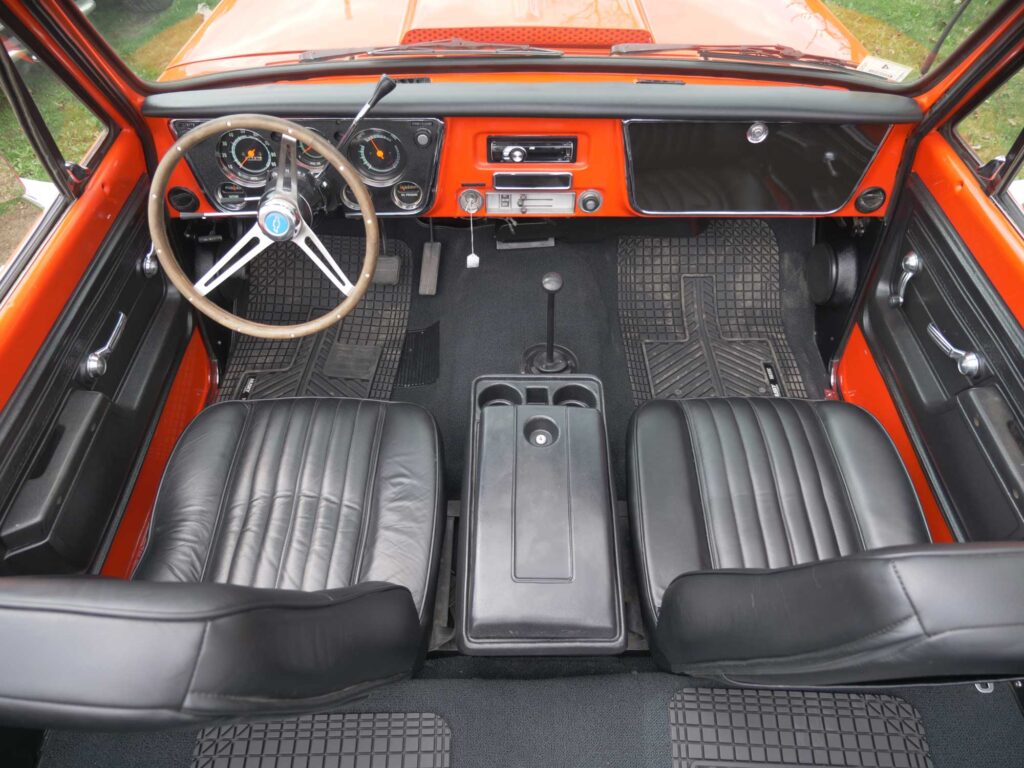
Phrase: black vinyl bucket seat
pixel 290 566
pixel 781 542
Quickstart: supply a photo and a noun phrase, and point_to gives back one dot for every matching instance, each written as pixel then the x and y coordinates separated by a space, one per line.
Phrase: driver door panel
pixel 74 442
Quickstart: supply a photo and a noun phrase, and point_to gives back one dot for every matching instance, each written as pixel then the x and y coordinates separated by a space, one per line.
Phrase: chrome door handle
pixel 96 363
pixel 968 363
pixel 912 264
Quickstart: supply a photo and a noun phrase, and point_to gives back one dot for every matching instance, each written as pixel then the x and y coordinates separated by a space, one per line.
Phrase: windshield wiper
pixel 752 52
pixel 449 45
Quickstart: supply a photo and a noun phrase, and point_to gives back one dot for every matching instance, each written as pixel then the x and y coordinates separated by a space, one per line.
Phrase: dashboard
pixel 396 158
pixel 559 149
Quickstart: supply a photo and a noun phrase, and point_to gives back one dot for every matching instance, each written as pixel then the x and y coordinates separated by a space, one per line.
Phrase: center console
pixel 539 569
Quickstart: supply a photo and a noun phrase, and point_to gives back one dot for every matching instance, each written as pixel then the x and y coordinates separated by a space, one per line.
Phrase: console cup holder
pixel 575 396
pixel 500 394
pixel 540 431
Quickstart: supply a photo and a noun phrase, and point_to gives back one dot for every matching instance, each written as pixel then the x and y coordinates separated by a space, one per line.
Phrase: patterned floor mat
pixel 357 358
pixel 381 740
pixel 703 316
pixel 722 728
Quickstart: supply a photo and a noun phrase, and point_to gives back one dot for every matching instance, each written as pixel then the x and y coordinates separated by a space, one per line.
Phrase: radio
pixel 531 149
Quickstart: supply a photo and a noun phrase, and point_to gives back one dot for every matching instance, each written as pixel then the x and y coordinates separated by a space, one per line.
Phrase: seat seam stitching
pixel 342 496
pixel 697 454
pixel 258 552
pixel 775 485
pixel 320 497
pixel 906 594
pixel 281 563
pixel 642 532
pixel 750 474
pixel 817 476
pixel 368 496
pixel 842 481
pixel 249 410
pixel 248 508
pixel 195 664
pixel 788 442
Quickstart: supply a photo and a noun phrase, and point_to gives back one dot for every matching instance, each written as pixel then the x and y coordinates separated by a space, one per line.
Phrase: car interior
pixel 507 410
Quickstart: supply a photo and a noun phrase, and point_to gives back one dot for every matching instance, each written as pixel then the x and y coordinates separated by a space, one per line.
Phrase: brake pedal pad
pixel 388 270
pixel 429 268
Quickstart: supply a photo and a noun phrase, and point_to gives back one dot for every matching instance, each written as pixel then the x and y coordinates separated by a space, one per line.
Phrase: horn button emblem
pixel 279 220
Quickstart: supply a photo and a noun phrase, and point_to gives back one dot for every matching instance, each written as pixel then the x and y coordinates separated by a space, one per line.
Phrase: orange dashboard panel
pixel 599 165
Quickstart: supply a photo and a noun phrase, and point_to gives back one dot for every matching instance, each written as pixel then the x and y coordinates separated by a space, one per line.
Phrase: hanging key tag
pixel 471 202
pixel 472 260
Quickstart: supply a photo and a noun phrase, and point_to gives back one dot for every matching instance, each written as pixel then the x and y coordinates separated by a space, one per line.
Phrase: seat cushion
pixel 301 494
pixel 761 483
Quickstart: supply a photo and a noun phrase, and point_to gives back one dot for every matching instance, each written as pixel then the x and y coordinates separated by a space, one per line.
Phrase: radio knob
pixel 590 200
pixel 514 154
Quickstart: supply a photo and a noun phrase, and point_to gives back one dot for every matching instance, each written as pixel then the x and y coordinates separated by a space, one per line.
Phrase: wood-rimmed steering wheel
pixel 279 219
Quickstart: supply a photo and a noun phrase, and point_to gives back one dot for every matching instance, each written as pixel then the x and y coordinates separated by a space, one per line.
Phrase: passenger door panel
pixel 969 428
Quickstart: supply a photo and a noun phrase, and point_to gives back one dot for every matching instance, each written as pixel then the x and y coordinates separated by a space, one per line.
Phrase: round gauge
pixel 407 195
pixel 245 157
pixel 309 157
pixel 348 198
pixel 376 154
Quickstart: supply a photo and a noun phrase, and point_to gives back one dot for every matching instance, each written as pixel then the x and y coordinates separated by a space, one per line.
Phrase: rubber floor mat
pixel 358 357
pixel 384 740
pixel 703 316
pixel 723 727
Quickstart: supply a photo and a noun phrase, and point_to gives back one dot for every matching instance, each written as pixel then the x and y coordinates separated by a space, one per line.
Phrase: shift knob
pixel 552 282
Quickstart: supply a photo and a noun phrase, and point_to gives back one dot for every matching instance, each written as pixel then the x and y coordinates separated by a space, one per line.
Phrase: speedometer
pixel 377 154
pixel 245 157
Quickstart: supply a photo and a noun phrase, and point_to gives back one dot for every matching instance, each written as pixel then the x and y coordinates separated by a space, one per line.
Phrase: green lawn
pixel 906 30
pixel 147 41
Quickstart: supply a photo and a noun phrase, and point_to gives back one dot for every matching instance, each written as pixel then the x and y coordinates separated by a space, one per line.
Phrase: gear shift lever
pixel 550 358
pixel 552 283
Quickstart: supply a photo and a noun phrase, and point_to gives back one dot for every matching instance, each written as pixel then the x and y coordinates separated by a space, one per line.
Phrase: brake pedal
pixel 389 268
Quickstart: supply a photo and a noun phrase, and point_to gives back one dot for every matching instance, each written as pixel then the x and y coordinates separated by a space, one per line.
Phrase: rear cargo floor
pixel 629 718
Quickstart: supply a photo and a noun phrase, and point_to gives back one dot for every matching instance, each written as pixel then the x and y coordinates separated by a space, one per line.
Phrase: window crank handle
pixel 967 363
pixel 96 363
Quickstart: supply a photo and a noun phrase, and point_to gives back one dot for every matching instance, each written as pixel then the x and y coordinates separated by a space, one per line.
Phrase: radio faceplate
pixel 531 149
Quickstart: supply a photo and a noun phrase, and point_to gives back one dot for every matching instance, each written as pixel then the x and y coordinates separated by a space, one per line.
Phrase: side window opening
pixel 991 136
pixel 27 190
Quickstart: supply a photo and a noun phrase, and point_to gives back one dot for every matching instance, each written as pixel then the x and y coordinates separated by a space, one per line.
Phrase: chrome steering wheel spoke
pixel 307 240
pixel 248 247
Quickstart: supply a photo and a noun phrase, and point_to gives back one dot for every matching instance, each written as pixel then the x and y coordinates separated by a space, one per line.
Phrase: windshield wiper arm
pixel 449 45
pixel 708 52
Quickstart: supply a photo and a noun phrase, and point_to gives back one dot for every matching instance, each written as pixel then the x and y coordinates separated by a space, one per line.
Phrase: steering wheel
pixel 279 219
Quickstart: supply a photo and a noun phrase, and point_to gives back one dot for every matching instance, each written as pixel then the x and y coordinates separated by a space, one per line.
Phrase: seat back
pixel 83 652
pixel 904 613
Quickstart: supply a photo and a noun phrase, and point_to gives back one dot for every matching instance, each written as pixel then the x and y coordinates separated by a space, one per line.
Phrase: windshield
pixel 897 40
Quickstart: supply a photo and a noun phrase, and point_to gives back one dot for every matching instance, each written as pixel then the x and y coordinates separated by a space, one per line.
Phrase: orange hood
pixel 250 33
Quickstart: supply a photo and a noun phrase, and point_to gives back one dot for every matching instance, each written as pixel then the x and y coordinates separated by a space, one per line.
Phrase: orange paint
pixel 995 243
pixel 30 309
pixel 600 158
pixel 861 383
pixel 191 390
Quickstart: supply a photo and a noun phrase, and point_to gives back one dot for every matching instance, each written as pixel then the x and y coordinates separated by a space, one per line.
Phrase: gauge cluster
pixel 396 158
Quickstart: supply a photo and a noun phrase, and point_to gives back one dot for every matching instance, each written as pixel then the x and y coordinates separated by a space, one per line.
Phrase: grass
pixel 146 41
pixel 906 30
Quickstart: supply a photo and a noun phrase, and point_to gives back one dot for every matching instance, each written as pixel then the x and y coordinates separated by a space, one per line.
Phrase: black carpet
pixel 619 719
pixel 488 316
